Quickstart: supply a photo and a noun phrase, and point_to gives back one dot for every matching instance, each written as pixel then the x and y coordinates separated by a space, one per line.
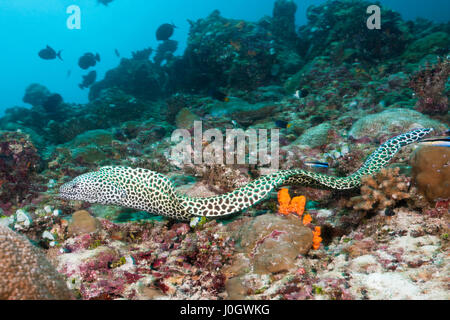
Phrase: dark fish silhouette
pixel 104 2
pixel 117 53
pixel 88 60
pixel 282 124
pixel 219 95
pixel 49 54
pixel 165 31
pixel 389 212
pixel 88 79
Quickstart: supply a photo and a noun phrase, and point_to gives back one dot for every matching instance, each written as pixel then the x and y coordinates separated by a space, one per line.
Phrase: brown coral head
pixel 431 172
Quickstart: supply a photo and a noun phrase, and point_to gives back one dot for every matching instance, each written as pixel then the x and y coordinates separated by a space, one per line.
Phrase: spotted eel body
pixel 153 192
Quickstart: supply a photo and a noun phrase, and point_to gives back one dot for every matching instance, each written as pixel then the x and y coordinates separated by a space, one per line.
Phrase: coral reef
pixel 295 205
pixel 82 222
pixel 249 117
pixel 19 165
pixel 327 30
pixel 272 243
pixel 435 43
pixel 333 89
pixel 283 21
pixel 431 172
pixel 165 51
pixel 316 136
pixel 137 77
pixel 231 53
pixel 143 54
pixel 132 260
pixel 392 120
pixel 429 86
pixel 382 191
pixel 36 94
pixel 174 104
pixel 26 273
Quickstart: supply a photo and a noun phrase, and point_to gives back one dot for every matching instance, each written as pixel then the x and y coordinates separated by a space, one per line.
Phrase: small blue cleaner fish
pixel 436 142
pixel 316 164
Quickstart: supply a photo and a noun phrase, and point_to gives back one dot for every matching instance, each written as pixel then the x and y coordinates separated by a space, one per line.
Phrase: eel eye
pixel 74 186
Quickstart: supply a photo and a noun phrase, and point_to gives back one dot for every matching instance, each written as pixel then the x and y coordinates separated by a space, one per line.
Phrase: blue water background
pixel 26 26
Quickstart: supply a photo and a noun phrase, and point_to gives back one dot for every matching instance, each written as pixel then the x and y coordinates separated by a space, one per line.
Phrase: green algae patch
pixel 95 137
pixel 432 43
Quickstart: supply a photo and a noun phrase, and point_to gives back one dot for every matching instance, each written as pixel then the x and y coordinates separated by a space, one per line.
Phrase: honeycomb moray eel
pixel 153 192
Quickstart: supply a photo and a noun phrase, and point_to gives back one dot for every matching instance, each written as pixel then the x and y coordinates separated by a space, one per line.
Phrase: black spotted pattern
pixel 147 190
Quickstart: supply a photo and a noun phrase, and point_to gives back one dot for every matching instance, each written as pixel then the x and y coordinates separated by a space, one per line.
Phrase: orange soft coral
pixel 307 219
pixel 288 205
pixel 297 205
pixel 316 238
pixel 284 199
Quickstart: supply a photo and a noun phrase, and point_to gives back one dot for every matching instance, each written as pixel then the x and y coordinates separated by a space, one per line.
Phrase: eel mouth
pixel 66 195
pixel 66 192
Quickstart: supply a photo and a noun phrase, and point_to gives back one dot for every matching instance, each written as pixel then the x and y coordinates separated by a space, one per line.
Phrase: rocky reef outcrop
pixel 20 164
pixel 339 29
pixel 140 78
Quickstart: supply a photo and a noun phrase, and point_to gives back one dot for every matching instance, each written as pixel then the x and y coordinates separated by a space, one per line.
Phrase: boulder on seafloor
pixel 273 242
pixel 141 78
pixel 316 136
pixel 283 21
pixel 96 137
pixel 36 94
pixel 91 147
pixel 431 172
pixel 390 122
pixel 26 274
pixel 185 119
pixel 89 154
pixel 83 222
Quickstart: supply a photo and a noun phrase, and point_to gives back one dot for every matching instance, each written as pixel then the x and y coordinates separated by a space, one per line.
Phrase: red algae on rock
pixel 19 163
